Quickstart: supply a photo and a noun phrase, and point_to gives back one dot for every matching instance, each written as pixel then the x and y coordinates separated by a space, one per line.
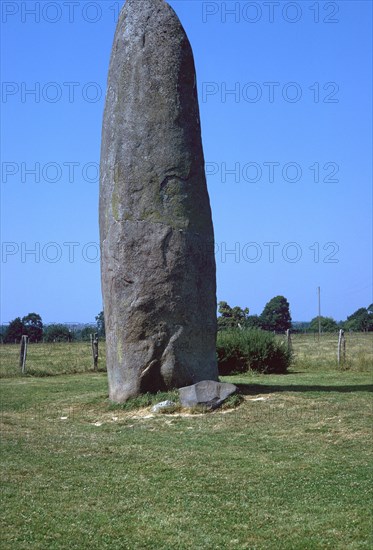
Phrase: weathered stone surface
pixel 207 393
pixel 157 244
pixel 163 406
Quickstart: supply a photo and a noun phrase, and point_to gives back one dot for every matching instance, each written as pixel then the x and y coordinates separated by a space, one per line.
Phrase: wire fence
pixel 309 350
pixel 323 349
pixel 48 359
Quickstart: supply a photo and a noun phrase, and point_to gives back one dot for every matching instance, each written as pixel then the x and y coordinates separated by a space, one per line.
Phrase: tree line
pixel 32 326
pixel 276 317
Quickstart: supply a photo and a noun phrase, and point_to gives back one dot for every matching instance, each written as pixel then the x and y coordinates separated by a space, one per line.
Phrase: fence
pixel 355 349
pixel 48 359
pixel 309 351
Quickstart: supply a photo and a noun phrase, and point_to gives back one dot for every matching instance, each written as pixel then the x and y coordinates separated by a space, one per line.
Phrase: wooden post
pixel 319 308
pixel 23 353
pixel 344 348
pixel 94 346
pixel 341 347
pixel 288 340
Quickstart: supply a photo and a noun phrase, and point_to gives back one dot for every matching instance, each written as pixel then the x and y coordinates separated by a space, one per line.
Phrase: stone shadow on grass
pixel 254 389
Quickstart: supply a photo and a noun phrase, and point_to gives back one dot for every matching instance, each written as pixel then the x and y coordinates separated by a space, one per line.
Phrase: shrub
pixel 243 350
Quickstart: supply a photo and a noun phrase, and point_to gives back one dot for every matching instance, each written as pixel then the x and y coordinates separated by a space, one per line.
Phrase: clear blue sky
pixel 297 131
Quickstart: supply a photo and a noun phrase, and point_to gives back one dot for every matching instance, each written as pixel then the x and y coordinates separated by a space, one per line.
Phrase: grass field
pixel 310 352
pixel 290 468
pixel 76 357
pixel 50 359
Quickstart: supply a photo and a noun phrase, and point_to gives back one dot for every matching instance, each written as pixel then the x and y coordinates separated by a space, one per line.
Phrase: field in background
pixel 310 351
pixel 51 359
pixel 76 357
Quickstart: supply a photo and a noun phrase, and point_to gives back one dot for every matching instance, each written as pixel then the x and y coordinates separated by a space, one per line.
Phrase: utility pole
pixel 319 302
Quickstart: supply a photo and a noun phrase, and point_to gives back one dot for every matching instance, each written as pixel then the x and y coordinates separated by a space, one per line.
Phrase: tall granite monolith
pixel 157 243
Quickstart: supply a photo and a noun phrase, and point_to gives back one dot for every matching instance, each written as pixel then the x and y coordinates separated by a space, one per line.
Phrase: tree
pixel 33 327
pixel 86 332
pixel 57 333
pixel 14 331
pixel 328 324
pixel 253 321
pixel 231 317
pixel 300 326
pixel 100 321
pixel 276 315
pixel 361 320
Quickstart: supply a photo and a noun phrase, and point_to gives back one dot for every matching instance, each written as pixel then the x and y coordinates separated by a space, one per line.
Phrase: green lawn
pixel 290 468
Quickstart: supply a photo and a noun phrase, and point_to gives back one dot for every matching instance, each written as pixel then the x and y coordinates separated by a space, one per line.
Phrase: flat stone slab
pixel 207 393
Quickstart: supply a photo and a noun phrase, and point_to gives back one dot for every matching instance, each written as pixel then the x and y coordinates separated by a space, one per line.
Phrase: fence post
pixel 94 346
pixel 288 340
pixel 341 346
pixel 23 353
pixel 344 347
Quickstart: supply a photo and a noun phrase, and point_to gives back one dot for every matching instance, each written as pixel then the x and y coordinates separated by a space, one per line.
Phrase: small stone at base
pixel 163 405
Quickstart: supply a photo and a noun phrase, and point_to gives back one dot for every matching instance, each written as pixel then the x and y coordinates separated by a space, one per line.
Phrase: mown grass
pixel 290 468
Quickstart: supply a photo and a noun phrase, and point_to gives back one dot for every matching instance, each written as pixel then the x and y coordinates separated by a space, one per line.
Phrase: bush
pixel 243 350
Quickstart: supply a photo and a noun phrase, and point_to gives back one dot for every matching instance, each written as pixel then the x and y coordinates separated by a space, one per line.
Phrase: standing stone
pixel 157 242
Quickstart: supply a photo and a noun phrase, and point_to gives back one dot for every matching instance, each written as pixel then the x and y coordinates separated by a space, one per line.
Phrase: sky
pixel 285 98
